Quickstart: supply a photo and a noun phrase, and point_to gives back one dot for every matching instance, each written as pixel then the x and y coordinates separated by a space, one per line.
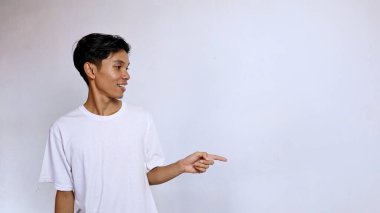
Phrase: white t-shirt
pixel 104 159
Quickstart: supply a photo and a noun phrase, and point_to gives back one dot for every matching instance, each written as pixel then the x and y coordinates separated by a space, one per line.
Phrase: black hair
pixel 94 48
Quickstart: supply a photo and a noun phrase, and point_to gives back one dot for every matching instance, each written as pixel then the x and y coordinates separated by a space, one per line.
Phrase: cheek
pixel 106 82
pixel 114 76
pixel 110 77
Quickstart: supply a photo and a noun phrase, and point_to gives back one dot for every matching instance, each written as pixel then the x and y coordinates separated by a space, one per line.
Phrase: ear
pixel 90 70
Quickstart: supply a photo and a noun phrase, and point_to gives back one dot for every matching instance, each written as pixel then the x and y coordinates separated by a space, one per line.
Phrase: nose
pixel 125 75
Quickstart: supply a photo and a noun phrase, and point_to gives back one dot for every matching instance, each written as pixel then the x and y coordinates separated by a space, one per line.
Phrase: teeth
pixel 121 85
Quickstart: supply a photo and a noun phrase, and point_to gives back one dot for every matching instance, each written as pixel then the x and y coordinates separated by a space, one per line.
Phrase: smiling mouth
pixel 121 85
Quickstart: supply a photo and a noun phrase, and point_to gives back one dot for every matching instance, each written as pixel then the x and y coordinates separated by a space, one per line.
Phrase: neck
pixel 101 105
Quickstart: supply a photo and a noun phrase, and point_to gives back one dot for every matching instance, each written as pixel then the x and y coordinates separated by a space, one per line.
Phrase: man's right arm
pixel 64 202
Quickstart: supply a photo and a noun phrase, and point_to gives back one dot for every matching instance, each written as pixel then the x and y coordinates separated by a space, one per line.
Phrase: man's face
pixel 112 76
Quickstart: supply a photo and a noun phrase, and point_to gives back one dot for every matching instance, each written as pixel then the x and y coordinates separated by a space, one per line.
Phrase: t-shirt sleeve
pixel 153 152
pixel 55 167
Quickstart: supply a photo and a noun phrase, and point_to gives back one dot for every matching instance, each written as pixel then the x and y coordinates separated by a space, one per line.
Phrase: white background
pixel 287 90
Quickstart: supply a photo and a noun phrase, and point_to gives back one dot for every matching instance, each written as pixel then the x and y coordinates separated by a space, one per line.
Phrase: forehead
pixel 121 57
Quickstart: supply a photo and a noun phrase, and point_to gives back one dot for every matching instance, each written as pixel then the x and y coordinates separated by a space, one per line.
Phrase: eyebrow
pixel 120 61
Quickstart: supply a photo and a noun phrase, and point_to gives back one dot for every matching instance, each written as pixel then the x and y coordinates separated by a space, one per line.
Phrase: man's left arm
pixel 197 162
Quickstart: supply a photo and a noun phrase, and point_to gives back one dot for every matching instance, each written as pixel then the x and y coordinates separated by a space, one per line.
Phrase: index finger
pixel 217 157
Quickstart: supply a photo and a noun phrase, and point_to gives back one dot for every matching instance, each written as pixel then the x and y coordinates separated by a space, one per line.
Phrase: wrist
pixel 181 166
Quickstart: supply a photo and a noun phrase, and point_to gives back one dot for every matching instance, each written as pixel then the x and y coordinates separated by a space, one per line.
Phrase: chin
pixel 116 97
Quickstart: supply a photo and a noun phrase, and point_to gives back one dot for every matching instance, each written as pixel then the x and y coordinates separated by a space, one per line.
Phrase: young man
pixel 104 155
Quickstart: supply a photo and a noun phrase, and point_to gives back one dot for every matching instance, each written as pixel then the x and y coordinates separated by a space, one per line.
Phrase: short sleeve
pixel 55 167
pixel 153 152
